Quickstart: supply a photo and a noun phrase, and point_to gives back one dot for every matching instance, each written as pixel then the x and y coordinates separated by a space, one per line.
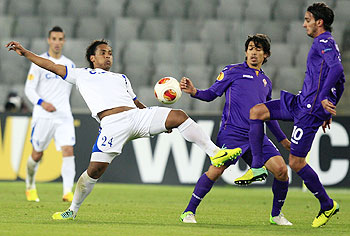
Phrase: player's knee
pixel 281 173
pixel 95 170
pixel 257 112
pixel 175 118
pixel 36 156
pixel 214 173
pixel 67 151
pixel 296 163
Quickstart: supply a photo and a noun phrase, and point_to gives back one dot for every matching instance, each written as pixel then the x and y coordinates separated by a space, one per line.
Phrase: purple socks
pixel 256 137
pixel 279 190
pixel 313 183
pixel 203 186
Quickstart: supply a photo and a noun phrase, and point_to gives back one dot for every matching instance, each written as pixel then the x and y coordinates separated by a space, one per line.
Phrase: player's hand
pixel 48 107
pixel 17 47
pixel 186 85
pixel 328 106
pixel 286 144
pixel 326 124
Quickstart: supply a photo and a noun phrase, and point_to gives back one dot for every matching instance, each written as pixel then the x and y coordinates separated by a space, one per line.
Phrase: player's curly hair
pixel 91 49
pixel 321 11
pixel 260 39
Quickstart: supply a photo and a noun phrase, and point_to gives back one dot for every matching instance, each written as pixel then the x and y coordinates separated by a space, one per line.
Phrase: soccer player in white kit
pixel 52 116
pixel 122 116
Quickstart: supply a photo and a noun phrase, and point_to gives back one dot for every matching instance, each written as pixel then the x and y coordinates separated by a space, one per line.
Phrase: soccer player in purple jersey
pixel 310 109
pixel 244 85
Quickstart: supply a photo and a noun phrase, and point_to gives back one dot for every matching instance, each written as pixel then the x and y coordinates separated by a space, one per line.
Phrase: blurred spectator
pixel 14 103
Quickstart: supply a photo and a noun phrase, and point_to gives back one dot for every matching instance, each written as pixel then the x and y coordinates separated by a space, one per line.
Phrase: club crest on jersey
pixel 220 76
pixel 265 82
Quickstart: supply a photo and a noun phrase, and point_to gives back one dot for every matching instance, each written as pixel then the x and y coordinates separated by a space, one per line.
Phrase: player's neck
pixel 319 32
pixel 255 67
pixel 55 55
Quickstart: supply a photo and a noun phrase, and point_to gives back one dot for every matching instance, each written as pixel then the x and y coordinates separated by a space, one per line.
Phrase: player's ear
pixel 92 58
pixel 319 22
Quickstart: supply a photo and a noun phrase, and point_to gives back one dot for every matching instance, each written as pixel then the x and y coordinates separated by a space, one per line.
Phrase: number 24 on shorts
pixel 104 139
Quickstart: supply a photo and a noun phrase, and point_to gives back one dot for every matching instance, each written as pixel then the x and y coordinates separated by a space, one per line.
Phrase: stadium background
pixel 156 38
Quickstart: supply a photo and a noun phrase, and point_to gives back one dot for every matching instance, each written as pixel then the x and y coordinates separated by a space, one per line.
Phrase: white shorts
pixel 119 128
pixel 43 130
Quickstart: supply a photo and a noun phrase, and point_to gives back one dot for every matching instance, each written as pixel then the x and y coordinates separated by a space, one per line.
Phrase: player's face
pixel 56 41
pixel 310 25
pixel 255 55
pixel 103 57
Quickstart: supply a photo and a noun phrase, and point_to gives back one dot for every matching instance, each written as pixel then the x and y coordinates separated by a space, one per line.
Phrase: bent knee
pixel 281 173
pixel 259 112
pixel 175 118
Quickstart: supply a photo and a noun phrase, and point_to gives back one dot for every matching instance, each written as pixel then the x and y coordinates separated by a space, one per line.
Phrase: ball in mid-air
pixel 167 90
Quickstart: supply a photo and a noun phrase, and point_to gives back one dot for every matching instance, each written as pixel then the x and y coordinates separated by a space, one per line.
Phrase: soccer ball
pixel 167 90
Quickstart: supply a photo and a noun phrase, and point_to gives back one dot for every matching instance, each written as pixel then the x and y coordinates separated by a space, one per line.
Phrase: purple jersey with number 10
pixel 323 55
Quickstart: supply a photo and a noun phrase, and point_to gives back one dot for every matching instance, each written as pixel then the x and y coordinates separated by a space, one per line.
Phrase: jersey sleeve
pixel 71 75
pixel 129 88
pixel 328 49
pixel 32 83
pixel 223 81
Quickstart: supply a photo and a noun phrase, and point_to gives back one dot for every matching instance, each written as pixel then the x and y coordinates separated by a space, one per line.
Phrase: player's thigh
pixel 158 120
pixel 42 132
pixel 303 134
pixel 115 131
pixel 64 132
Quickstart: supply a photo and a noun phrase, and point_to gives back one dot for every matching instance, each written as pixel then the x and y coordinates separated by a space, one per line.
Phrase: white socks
pixel 84 186
pixel 68 173
pixel 192 132
pixel 32 167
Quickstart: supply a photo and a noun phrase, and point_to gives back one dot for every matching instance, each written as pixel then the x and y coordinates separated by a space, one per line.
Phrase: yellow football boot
pixel 323 216
pixel 32 195
pixel 68 197
pixel 224 155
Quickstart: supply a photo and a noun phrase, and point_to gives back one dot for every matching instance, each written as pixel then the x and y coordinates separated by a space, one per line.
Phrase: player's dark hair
pixel 260 39
pixel 91 49
pixel 321 11
pixel 55 29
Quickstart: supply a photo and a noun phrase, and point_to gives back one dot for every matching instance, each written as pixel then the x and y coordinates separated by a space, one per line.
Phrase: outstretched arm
pixel 40 61
pixel 187 86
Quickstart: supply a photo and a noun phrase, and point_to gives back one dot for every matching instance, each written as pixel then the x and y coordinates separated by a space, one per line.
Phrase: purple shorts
pixel 230 139
pixel 305 125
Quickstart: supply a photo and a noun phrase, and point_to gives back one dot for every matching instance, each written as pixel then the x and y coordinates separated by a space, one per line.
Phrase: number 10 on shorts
pixel 296 135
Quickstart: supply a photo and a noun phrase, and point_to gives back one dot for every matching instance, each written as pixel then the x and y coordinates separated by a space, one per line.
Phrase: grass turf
pixel 121 209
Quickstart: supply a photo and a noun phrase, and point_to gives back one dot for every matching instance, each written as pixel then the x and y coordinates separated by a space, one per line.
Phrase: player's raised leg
pixel 258 114
pixel 192 132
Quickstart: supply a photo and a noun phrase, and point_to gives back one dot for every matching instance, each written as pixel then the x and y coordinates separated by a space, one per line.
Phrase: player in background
pixel 244 85
pixel 310 109
pixel 122 116
pixel 52 116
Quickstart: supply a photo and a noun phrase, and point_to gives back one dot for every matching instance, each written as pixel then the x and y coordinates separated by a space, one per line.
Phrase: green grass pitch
pixel 121 209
